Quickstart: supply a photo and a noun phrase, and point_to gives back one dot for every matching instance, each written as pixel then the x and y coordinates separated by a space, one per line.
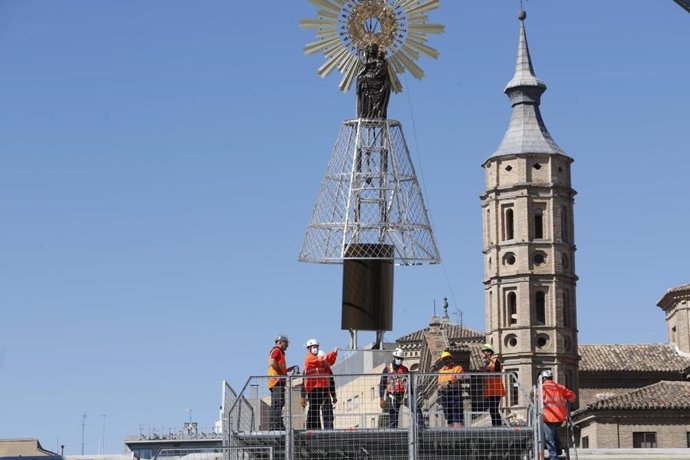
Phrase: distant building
pixel 189 439
pixel 639 395
pixel 26 448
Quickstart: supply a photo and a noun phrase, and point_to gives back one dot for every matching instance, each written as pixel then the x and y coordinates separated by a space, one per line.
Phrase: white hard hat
pixel 488 347
pixel 547 374
pixel 398 353
pixel 311 343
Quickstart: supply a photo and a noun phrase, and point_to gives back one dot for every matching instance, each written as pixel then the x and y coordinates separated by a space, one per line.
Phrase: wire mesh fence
pixel 370 196
pixel 384 416
pixel 215 453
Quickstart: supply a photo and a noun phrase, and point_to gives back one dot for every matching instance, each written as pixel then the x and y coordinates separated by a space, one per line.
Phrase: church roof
pixel 526 132
pixel 632 358
pixel 662 395
pixel 454 332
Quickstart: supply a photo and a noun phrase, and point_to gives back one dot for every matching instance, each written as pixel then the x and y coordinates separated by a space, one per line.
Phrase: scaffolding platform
pixel 385 443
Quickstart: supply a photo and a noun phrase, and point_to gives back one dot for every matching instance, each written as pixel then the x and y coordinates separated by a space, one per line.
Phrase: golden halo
pixel 372 22
pixel 398 27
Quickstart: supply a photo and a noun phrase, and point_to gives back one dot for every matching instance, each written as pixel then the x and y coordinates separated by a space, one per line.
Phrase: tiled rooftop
pixel 454 332
pixel 663 395
pixel 632 357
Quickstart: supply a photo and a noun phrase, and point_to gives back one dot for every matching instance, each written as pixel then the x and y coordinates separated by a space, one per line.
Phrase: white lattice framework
pixel 369 199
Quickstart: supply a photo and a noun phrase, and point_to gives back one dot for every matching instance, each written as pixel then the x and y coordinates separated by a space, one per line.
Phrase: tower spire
pixel 526 132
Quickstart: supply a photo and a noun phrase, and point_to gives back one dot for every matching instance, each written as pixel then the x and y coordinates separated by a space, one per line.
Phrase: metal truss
pixel 369 198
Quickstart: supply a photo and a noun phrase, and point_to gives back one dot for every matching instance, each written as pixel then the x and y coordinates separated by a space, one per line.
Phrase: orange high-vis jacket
pixel 282 365
pixel 318 365
pixel 449 374
pixel 555 396
pixel 493 384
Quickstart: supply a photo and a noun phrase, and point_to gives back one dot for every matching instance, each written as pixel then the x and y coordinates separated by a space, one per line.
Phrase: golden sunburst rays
pixel 344 28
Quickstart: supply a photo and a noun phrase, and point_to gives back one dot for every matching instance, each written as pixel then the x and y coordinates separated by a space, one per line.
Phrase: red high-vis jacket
pixel 555 396
pixel 318 365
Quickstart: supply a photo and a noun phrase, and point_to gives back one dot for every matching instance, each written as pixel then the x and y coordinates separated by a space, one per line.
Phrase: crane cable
pixel 424 192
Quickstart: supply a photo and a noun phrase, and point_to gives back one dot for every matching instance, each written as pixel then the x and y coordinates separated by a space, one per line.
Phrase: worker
pixel 450 390
pixel 277 371
pixel 317 375
pixel 393 387
pixel 555 411
pixel 493 389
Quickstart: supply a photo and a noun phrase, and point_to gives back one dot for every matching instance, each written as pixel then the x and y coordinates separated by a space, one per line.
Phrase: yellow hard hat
pixel 446 354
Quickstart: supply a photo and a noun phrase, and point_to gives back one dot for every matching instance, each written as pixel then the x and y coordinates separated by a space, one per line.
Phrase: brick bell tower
pixel 528 242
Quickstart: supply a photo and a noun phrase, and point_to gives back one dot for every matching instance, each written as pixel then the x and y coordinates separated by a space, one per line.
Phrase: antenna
pixel 101 447
pixel 83 425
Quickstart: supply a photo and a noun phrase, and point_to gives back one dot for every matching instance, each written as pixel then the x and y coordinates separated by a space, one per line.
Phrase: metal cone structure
pixel 370 198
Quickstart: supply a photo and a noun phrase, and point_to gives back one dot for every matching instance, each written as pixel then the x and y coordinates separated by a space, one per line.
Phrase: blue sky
pixel 159 161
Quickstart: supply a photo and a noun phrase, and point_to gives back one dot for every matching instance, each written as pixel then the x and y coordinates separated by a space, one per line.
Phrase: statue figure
pixel 373 84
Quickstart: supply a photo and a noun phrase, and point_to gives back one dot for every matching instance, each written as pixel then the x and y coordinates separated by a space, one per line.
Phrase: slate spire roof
pixel 526 132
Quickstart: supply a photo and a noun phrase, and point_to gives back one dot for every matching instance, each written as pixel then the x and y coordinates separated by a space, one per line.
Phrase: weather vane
pixel 349 31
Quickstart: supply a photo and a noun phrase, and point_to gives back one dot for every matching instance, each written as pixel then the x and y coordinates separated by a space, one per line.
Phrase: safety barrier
pixel 344 416
pixel 215 453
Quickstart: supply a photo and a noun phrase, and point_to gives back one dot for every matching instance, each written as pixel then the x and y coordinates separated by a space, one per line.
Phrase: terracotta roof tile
pixel 663 395
pixel 632 357
pixel 454 332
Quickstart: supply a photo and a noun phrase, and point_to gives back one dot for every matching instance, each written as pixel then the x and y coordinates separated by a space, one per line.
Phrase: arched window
pixel 512 308
pixel 540 308
pixel 508 227
pixel 514 389
pixel 488 227
pixel 539 225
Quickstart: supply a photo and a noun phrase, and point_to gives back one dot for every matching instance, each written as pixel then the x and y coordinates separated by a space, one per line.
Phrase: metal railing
pixel 418 419
pixel 215 453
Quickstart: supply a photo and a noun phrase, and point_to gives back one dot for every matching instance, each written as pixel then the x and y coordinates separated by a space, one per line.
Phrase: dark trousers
pixel 552 439
pixel 317 398
pixel 492 403
pixel 327 411
pixel 451 401
pixel 275 420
